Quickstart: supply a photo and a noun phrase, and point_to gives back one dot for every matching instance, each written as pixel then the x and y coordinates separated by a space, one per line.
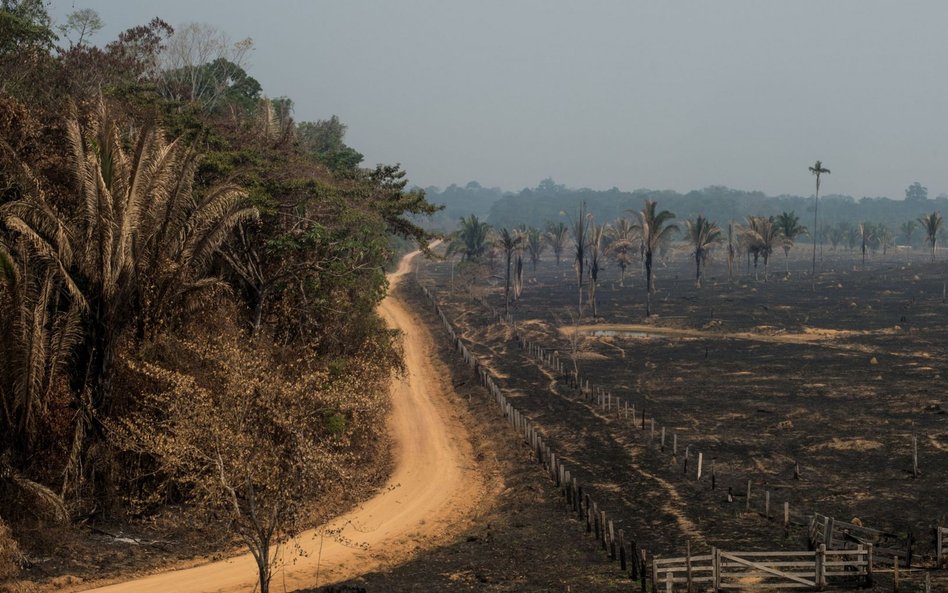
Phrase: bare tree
pixel 199 62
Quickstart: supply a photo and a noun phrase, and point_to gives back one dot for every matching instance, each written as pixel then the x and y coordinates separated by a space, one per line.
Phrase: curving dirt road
pixel 433 491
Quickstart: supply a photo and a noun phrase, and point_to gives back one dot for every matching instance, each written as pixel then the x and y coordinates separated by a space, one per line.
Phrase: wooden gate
pixel 747 571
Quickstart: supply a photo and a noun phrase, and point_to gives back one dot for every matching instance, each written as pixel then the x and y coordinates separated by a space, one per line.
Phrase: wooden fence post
pixel 688 564
pixel 716 569
pixel 821 567
pixel 622 560
pixel 767 504
pixel 748 495
pixel 700 459
pixel 869 565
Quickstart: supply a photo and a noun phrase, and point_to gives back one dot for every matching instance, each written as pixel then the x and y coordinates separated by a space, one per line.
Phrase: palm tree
pixel 38 338
pixel 595 255
pixel 817 169
pixel 141 240
pixel 654 229
pixel 556 235
pixel 790 228
pixel 703 235
pixel 507 241
pixel 763 235
pixel 885 237
pixel 471 238
pixel 930 224
pixel 580 230
pixel 623 242
pixel 535 246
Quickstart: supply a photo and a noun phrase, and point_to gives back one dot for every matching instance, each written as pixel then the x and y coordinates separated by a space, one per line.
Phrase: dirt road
pixel 432 493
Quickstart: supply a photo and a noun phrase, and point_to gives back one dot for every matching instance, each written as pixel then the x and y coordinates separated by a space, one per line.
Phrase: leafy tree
pixel 817 169
pixel 256 438
pixel 916 193
pixel 654 228
pixel 326 140
pixel 556 236
pixel 931 223
pixel 790 228
pixel 82 23
pixel 703 235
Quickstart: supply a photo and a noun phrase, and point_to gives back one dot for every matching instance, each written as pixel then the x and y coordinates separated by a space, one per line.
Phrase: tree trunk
pixel 648 283
pixel 507 285
pixel 697 268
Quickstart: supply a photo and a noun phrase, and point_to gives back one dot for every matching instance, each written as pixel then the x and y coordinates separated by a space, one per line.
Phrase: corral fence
pixel 888 548
pixel 723 570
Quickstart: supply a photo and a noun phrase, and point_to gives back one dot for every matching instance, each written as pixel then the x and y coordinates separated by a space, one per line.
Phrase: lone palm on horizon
pixel 817 169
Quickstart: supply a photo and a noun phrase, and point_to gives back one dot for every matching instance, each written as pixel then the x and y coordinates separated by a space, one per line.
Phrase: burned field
pixel 762 379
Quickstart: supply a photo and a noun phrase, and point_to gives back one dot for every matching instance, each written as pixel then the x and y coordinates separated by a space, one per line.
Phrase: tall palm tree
pixel 507 241
pixel 556 236
pixel 580 231
pixel 817 169
pixel 763 235
pixel 595 258
pixel 654 228
pixel 790 228
pixel 703 235
pixel 623 243
pixel 930 224
pixel 140 241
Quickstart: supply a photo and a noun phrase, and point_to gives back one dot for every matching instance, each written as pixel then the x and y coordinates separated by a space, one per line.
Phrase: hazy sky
pixel 657 94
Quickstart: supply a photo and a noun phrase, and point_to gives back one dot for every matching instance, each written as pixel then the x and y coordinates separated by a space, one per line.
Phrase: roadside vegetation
pixel 188 284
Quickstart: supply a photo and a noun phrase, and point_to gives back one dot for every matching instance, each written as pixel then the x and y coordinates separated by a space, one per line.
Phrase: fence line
pixel 635 561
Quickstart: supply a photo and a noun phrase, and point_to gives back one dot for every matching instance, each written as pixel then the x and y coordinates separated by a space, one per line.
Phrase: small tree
pixel 763 235
pixel 623 243
pixel 250 440
pixel 908 231
pixel 931 223
pixel 790 228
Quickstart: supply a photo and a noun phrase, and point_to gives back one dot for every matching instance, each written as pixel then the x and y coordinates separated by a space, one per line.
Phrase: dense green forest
pixel 548 201
pixel 188 284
